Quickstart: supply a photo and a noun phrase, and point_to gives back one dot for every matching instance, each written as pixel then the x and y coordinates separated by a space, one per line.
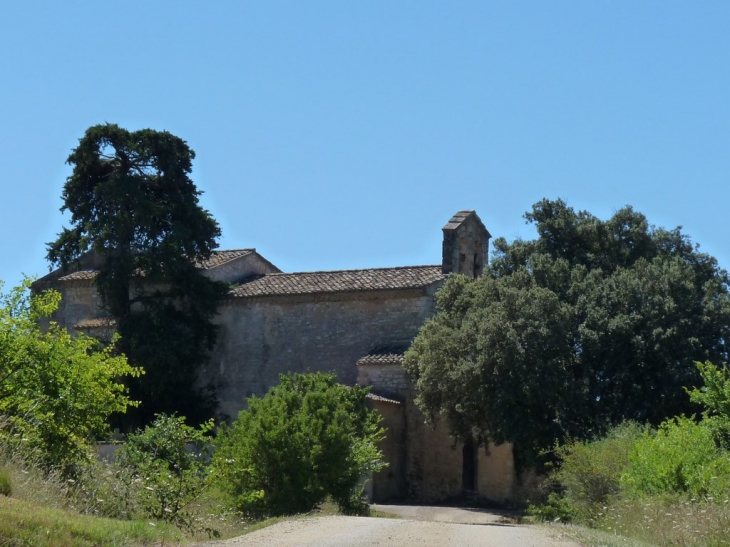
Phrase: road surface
pixel 417 527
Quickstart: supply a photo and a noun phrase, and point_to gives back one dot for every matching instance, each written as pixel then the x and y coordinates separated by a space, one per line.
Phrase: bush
pixel 169 459
pixel 714 395
pixel 588 474
pixel 57 391
pixel 306 439
pixel 680 458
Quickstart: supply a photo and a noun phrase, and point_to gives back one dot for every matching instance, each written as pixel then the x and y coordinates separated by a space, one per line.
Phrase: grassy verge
pixel 24 524
pixel 653 521
pixel 589 537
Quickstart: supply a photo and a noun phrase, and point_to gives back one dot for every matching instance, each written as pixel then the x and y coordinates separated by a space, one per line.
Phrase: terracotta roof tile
pixel 218 258
pixel 96 323
pixel 79 276
pixel 374 397
pixel 375 279
pixel 381 359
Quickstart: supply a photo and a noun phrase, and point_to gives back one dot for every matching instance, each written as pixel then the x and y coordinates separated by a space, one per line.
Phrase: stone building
pixel 355 323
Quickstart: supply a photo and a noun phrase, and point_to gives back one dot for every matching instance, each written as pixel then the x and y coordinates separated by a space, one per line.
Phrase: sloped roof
pixel 407 277
pixel 385 355
pixel 459 218
pixel 218 258
pixel 96 323
pixel 381 399
pixel 81 275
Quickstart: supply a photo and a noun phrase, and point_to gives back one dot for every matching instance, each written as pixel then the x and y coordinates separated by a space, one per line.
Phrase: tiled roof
pixel 79 276
pixel 96 323
pixel 381 359
pixel 375 279
pixel 218 258
pixel 459 218
pixel 374 397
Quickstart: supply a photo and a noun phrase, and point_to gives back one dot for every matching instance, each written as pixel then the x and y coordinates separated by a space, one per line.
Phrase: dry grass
pixel 655 522
pixel 671 522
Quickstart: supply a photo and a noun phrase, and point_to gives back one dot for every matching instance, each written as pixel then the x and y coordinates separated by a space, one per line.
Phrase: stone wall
pixel 435 464
pixel 465 247
pixel 496 476
pixel 390 482
pixel 260 338
pixel 388 380
pixel 79 301
pixel 426 463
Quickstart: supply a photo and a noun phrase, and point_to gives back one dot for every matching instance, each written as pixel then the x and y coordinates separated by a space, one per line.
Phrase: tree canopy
pixel 132 202
pixel 590 324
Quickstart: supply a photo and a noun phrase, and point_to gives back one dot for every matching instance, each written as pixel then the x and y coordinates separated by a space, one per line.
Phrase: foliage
pixel 307 438
pixel 714 396
pixel 666 486
pixel 588 474
pixel 133 204
pixel 680 458
pixel 590 324
pixel 649 522
pixel 169 458
pixel 56 391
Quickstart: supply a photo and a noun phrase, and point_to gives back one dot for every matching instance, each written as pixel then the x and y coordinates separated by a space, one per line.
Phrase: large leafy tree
pixel 591 323
pixel 132 202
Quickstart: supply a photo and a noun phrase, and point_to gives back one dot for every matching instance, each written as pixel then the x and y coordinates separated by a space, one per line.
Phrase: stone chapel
pixel 355 323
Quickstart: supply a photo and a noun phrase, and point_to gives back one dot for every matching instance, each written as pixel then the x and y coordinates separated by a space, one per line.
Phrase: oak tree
pixel 590 324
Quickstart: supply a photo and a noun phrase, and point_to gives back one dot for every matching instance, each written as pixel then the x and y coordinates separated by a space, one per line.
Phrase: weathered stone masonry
pixel 355 323
pixel 262 337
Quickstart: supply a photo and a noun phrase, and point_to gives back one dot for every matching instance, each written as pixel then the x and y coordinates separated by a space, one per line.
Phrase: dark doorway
pixel 469 467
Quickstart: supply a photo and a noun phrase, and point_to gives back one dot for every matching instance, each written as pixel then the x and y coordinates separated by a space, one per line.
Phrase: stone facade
pixel 354 323
pixel 425 462
pixel 262 337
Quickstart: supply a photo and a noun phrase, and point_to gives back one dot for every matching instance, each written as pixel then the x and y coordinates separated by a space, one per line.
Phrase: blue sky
pixel 337 135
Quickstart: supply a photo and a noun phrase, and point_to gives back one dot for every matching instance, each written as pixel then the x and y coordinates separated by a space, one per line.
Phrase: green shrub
pixel 588 474
pixel 307 438
pixel 556 508
pixel 680 458
pixel 57 391
pixel 714 395
pixel 169 459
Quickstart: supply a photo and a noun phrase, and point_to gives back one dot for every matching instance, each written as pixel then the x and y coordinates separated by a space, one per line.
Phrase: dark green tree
pixel 132 202
pixel 590 324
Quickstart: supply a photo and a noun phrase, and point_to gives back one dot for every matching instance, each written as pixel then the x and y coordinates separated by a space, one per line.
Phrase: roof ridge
pixel 379 268
pixel 233 250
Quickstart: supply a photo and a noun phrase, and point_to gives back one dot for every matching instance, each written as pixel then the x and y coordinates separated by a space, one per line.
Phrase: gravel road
pixel 420 526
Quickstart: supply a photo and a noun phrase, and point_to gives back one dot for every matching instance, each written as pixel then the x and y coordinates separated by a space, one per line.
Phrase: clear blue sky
pixel 345 134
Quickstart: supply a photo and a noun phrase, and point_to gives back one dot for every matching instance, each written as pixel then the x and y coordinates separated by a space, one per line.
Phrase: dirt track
pixel 420 526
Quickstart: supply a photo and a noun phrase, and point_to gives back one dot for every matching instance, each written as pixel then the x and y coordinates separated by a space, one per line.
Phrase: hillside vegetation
pixel 309 440
pixel 664 486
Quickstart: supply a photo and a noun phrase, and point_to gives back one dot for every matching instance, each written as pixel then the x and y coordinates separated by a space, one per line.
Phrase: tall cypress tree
pixel 132 202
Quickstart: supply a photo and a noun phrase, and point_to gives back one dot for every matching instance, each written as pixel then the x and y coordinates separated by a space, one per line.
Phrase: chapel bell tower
pixel 466 245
